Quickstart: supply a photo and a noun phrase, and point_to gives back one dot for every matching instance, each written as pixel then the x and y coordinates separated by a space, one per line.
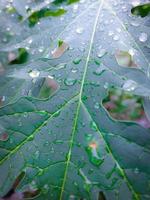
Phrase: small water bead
pixel 143 37
pixel 74 70
pixel 101 53
pixel 72 197
pixel 45 189
pixel 116 37
pixel 41 49
pixel 135 2
pixel 33 185
pixel 98 71
pixel 96 106
pixel 118 30
pixel 31 138
pixel 34 73
pixel 70 81
pixel 75 8
pixel 51 77
pixel 136 171
pixel 37 153
pixel 132 52
pixel 47 1
pixel 106 85
pixel 30 41
pixel 134 23
pixel 79 30
pixel 77 61
pixel 110 33
pixel 93 126
pixel 130 85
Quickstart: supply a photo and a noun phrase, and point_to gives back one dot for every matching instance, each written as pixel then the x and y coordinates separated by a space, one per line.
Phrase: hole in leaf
pixel 31 194
pixel 141 10
pixel 60 50
pixel 12 194
pixel 56 2
pixel 101 196
pixel 36 16
pixel 125 106
pixel 21 58
pixel 124 59
pixel 45 87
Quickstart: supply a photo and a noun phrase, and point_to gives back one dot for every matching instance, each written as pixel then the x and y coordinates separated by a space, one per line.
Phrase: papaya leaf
pixel 53 124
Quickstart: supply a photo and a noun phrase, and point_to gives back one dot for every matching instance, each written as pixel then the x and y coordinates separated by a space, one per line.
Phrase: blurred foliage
pixel 141 10
pixel 65 1
pixel 36 16
pixel 22 57
pixel 123 105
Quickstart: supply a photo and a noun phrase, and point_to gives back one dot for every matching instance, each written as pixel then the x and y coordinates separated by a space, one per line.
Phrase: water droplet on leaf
pixel 60 50
pixel 130 85
pixel 77 61
pixel 101 53
pixel 34 73
pixel 125 59
pixel 143 37
pixel 79 30
pixel 70 81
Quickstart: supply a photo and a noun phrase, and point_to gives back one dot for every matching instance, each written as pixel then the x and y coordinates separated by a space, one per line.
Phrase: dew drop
pixel 74 70
pixel 110 33
pixel 98 71
pixel 143 37
pixel 77 61
pixel 96 106
pixel 116 37
pixel 101 53
pixel 106 85
pixel 45 189
pixel 72 197
pixel 75 8
pixel 41 49
pixel 34 73
pixel 79 30
pixel 33 185
pixel 134 23
pixel 30 41
pixel 31 138
pixel 135 2
pixel 70 81
pixel 129 85
pixel 93 126
pixel 136 171
pixel 37 153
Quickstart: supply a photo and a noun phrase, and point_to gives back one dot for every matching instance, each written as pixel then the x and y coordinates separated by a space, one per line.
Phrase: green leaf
pixel 36 16
pixel 53 124
pixel 141 10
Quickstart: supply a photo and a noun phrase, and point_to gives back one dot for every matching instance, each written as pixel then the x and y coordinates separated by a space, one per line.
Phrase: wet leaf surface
pixel 59 132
